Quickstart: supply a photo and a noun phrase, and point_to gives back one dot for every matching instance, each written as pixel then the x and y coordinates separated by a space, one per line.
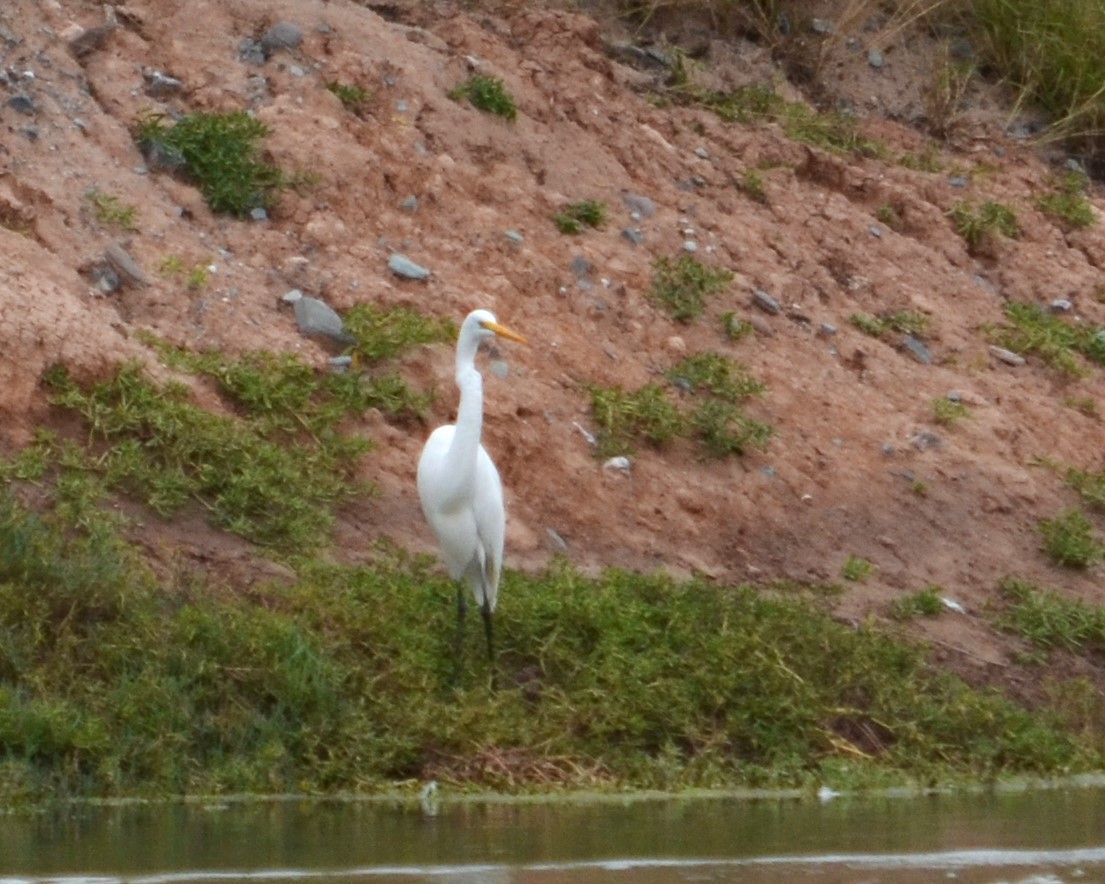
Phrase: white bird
pixel 460 489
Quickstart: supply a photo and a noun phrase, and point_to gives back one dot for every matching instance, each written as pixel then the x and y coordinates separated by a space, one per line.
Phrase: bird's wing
pixel 490 518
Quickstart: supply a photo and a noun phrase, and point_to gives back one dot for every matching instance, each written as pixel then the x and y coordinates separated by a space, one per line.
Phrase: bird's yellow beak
pixel 503 332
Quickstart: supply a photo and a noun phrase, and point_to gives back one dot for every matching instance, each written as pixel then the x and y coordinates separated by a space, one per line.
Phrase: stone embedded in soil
pixel 765 302
pixel 917 350
pixel 1006 356
pixel 403 266
pixel 282 35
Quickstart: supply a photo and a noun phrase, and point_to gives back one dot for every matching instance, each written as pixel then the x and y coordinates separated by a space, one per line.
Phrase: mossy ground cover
pixel 116 683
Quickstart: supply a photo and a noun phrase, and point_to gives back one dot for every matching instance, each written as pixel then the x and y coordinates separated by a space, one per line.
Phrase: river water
pixel 1036 837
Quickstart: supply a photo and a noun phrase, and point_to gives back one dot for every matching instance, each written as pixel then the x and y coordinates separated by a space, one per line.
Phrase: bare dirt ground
pixel 852 414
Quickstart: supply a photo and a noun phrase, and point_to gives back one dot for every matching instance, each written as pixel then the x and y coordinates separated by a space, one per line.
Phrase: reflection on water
pixel 1039 837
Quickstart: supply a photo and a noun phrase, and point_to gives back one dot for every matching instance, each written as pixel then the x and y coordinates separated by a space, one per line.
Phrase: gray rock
pixel 1060 305
pixel 581 267
pixel 916 348
pixel 702 153
pixel 23 103
pixel 827 329
pixel 820 26
pixel 689 245
pixel 875 230
pixel 959 181
pixel 633 234
pixel 258 213
pixel 765 302
pixel 125 266
pixel 410 204
pixel 515 237
pixel 642 205
pixel 159 84
pixel 251 51
pixel 282 35
pixel 403 266
pixel 875 58
pixel 315 317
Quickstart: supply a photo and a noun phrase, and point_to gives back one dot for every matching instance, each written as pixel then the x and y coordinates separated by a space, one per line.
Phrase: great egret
pixel 460 489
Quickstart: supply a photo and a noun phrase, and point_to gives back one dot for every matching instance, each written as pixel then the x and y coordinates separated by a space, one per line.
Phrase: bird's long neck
pixel 469 426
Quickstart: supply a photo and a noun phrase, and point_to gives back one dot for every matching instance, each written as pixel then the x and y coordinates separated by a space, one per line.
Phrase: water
pixel 1041 837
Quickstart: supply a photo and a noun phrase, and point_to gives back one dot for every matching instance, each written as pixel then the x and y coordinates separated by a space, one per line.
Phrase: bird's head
pixel 483 325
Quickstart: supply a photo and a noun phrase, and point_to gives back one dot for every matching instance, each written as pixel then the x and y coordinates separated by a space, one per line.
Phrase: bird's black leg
pixel 458 639
pixel 485 609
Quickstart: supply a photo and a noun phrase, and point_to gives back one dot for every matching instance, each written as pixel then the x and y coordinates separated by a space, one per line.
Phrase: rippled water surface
pixel 1041 837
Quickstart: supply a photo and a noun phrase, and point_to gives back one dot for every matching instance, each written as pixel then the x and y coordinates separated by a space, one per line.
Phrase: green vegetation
pixel 715 388
pixel 857 569
pixel 487 94
pixel 385 333
pixel 195 277
pixel 1051 621
pixel 752 183
pixel 928 160
pixel 1053 51
pixel 1088 484
pixel 734 327
pixel 572 219
pixel 272 475
pixel 109 210
pixel 948 412
pixel 1069 540
pixel 979 224
pixel 759 104
pixel 925 603
pixel 351 96
pixel 1035 331
pixel 1068 201
pixel 681 285
pixel 114 685
pixel 220 153
pixel 906 322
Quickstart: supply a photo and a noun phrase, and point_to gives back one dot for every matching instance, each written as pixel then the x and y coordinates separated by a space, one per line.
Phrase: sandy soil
pixel 853 420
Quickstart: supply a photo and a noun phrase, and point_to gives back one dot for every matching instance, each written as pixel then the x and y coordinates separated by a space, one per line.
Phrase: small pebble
pixel 410 204
pixel 617 463
pixel 875 230
pixel 580 266
pixel 514 236
pixel 1060 305
pixel 22 103
pixel 557 541
pixel 258 213
pixel 958 181
pixel 875 58
pixel 159 84
pixel 633 234
pixel 401 265
pixel 689 245
pixel 954 396
pixel 702 153
pixel 827 329
pixel 251 52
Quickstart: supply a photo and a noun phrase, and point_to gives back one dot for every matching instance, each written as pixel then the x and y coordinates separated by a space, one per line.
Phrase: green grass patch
pixel 220 153
pixel 589 213
pixel 1068 201
pixel 681 285
pixel 923 603
pixel 1032 330
pixel 273 473
pixel 1049 620
pixel 710 410
pixel 948 412
pixel 487 94
pixel 906 322
pixel 1053 51
pixel 110 210
pixel 1069 540
pixel 980 224
pixel 385 332
pixel 112 685
pixel 351 96
pixel 758 104
pixel 857 569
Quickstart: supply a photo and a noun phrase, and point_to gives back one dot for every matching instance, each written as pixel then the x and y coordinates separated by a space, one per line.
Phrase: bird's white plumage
pixel 458 484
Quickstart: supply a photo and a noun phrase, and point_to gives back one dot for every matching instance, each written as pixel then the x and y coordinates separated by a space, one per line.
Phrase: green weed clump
pixel 857 569
pixel 980 224
pixel 572 220
pixel 220 153
pixel 681 285
pixel 384 333
pixel 112 685
pixel 1068 201
pixel 272 475
pixel 924 603
pixel 715 389
pixel 906 322
pixel 1053 51
pixel 487 94
pixel 948 412
pixel 1051 621
pixel 1069 540
pixel 110 210
pixel 1032 330
pixel 351 96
